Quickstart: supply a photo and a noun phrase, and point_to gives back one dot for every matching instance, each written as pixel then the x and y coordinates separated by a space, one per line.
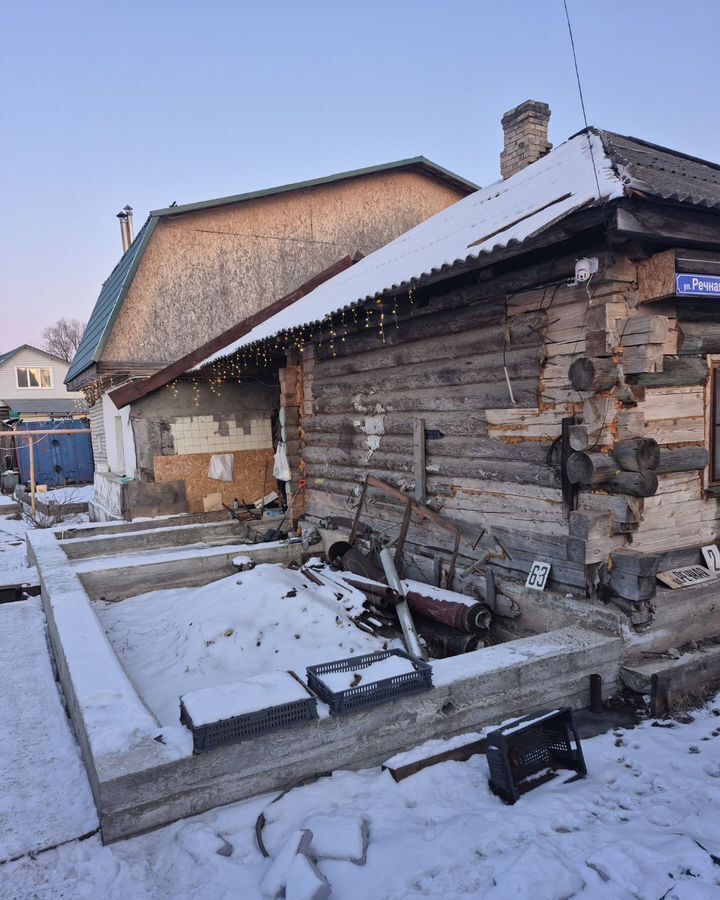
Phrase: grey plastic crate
pixel 527 752
pixel 239 728
pixel 374 692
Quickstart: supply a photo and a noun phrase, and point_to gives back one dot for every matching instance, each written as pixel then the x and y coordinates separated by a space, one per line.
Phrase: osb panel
pixel 249 469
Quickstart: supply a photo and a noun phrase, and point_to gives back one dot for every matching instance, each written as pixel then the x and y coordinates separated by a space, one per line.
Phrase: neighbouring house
pixel 33 396
pixel 191 273
pixel 540 362
pixel 32 386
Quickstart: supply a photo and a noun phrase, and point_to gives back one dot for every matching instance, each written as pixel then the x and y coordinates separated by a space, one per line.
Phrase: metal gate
pixel 59 459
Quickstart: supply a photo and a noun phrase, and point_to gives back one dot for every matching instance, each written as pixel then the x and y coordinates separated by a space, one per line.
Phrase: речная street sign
pixel 697 285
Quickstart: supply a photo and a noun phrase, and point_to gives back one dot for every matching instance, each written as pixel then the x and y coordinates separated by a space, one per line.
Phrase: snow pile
pixel 177 641
pixel 13 553
pixel 226 701
pixel 69 494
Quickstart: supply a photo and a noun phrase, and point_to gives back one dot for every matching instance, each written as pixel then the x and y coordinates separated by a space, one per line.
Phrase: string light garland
pixel 327 335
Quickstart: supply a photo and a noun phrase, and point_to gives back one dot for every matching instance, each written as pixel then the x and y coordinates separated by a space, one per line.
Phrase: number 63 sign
pixel 538 575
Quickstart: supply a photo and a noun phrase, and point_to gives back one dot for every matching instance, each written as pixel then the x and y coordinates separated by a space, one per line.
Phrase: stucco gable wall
pixel 204 271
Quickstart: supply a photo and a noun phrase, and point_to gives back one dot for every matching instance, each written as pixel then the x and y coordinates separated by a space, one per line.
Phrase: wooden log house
pixel 573 421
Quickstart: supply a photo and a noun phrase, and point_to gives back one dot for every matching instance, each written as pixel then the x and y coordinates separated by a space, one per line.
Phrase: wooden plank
pixel 678 371
pixel 419 460
pixel 673 403
pixel 685 682
pixel 656 277
pixel 457 754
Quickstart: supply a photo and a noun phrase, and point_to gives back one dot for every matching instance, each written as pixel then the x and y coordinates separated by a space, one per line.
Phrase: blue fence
pixel 59 458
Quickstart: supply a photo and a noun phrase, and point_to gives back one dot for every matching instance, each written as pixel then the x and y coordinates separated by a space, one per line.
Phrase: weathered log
pixel 635 484
pixel 637 455
pixel 701 337
pixel 684 459
pixel 590 468
pixel 630 393
pixel 631 586
pixel 677 371
pixel 593 374
pixel 579 437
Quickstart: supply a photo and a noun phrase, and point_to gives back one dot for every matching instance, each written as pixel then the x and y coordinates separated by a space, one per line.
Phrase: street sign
pixel 697 285
pixel 685 576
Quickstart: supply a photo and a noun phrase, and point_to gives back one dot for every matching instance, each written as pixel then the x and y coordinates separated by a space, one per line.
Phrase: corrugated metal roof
pixel 501 215
pixel 108 304
pixel 58 406
pixel 415 162
pixel 663 173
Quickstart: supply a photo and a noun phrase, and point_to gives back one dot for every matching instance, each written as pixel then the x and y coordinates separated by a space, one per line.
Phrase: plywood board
pixel 249 468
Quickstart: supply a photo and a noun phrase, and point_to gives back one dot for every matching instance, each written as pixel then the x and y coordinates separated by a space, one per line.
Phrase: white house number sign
pixel 538 575
pixel 711 555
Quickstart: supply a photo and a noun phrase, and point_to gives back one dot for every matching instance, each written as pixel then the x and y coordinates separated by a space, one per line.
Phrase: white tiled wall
pixel 200 434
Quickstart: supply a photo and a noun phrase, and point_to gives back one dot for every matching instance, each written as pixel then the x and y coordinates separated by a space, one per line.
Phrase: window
pixel 715 424
pixel 34 378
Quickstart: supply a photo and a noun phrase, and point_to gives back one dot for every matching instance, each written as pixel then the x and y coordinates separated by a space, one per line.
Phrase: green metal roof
pixel 415 162
pixel 108 304
pixel 113 292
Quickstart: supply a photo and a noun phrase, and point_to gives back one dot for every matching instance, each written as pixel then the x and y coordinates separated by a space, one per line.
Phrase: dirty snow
pixel 643 825
pixel 176 641
pixel 14 566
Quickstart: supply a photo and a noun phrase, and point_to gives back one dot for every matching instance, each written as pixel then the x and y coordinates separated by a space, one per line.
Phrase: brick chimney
pixel 526 131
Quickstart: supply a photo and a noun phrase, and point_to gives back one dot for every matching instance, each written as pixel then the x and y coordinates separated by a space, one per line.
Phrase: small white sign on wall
pixel 711 555
pixel 538 575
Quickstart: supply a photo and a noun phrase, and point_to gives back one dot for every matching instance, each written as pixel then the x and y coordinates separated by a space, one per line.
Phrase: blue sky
pixel 145 103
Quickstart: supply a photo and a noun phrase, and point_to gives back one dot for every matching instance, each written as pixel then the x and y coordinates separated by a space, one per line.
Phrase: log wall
pixel 492 461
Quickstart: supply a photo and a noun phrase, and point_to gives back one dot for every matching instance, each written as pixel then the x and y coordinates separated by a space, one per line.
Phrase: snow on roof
pixel 504 213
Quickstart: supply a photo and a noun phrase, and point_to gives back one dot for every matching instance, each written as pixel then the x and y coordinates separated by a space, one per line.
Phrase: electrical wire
pixel 582 98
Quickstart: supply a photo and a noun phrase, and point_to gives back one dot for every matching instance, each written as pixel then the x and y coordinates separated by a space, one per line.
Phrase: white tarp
pixel 221 467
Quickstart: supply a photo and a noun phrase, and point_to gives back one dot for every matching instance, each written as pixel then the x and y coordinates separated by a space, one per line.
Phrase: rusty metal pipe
pixel 469 619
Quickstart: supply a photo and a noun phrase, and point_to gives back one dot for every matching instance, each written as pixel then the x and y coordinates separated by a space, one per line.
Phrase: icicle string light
pixel 327 335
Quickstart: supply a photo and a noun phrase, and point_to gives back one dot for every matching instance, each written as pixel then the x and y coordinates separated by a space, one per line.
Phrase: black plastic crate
pixel 527 752
pixel 239 728
pixel 375 691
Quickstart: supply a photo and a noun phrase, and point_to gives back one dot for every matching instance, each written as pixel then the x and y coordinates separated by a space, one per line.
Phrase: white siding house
pixel 31 385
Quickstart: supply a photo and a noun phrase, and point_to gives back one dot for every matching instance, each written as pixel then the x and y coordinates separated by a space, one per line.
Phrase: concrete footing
pixel 144 775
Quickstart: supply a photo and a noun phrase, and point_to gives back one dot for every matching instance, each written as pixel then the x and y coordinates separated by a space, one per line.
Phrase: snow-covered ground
pixel 175 641
pixel 643 825
pixel 70 494
pixel 45 798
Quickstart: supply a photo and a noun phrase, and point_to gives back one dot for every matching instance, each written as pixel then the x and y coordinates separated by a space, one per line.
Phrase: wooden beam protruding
pixel 593 374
